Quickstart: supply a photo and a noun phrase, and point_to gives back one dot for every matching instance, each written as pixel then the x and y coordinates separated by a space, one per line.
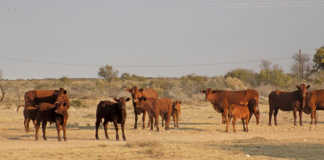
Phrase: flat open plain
pixel 201 136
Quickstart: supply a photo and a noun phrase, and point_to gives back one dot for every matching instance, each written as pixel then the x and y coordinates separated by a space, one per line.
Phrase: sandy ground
pixel 200 136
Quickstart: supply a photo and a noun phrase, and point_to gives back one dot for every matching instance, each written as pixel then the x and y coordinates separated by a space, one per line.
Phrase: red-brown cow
pixel 221 100
pixel 137 93
pixel 112 112
pixel 288 101
pixel 176 113
pixel 35 97
pixel 57 113
pixel 240 112
pixel 314 101
pixel 155 108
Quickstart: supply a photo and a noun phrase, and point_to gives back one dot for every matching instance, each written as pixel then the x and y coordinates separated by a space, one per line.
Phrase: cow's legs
pixel 44 129
pixel 246 125
pixel 116 128
pixel 243 123
pixel 98 121
pixel 300 117
pixel 105 124
pixel 58 128
pixel 275 116
pixel 151 121
pixel 157 121
pixel 295 117
pixel 226 119
pixel 233 124
pixel 270 115
pixel 26 124
pixel 143 119
pixel 37 126
pixel 136 117
pixel 123 130
pixel 64 130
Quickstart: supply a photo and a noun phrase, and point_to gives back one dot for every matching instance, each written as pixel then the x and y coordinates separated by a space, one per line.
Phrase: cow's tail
pixel 99 110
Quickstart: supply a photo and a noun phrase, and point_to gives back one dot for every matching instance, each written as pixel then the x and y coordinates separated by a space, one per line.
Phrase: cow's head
pixel 139 102
pixel 61 108
pixel 302 91
pixel 122 102
pixel 135 92
pixel 208 92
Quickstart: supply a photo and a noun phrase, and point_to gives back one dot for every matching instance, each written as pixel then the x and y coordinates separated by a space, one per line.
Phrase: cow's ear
pixel 202 91
pixel 141 90
pixel 180 102
pixel 128 89
pixel 65 92
pixel 308 86
pixel 116 99
pixel 297 86
pixel 127 99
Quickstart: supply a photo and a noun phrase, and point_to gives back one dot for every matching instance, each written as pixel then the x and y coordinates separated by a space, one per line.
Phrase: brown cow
pixel 176 112
pixel 57 113
pixel 137 93
pixel 34 97
pixel 314 101
pixel 240 112
pixel 112 112
pixel 221 99
pixel 155 108
pixel 288 101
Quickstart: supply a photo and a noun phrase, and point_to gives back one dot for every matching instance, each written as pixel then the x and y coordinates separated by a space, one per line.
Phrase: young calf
pixel 112 112
pixel 176 112
pixel 240 112
pixel 155 108
pixel 56 113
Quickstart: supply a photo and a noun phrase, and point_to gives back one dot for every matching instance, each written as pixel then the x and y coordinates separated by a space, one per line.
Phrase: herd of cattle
pixel 42 106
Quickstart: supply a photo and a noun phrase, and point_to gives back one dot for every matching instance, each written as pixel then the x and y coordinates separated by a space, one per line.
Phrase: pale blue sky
pixel 47 38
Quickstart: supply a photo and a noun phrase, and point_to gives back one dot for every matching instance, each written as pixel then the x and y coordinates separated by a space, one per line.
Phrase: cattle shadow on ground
pixel 194 123
pixel 188 129
pixel 275 149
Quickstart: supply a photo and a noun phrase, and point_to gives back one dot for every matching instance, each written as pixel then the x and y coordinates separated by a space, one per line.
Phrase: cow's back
pixel 150 93
pixel 284 100
pixel 163 104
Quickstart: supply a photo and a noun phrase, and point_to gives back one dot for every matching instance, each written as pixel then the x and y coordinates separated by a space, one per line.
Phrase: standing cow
pixel 288 101
pixel 137 93
pixel 314 101
pixel 155 108
pixel 34 97
pixel 222 99
pixel 112 112
pixel 56 113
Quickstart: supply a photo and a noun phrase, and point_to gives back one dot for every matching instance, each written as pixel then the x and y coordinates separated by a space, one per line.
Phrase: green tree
pixel 245 75
pixel 108 73
pixel 318 59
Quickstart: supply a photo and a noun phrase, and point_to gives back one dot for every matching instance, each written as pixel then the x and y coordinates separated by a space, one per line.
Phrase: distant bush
pixel 77 104
pixel 245 75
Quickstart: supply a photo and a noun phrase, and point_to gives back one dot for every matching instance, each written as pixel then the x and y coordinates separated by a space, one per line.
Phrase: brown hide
pixel 48 112
pixel 112 112
pixel 155 108
pixel 314 102
pixel 137 93
pixel 288 101
pixel 34 97
pixel 240 112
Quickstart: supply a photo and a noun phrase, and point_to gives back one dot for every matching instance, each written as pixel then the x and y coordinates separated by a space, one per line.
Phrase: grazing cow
pixel 54 113
pixel 112 112
pixel 137 93
pixel 176 112
pixel 240 112
pixel 35 97
pixel 314 101
pixel 221 100
pixel 288 101
pixel 155 108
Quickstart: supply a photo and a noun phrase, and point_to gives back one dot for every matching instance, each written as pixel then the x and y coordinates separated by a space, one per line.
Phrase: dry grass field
pixel 200 136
